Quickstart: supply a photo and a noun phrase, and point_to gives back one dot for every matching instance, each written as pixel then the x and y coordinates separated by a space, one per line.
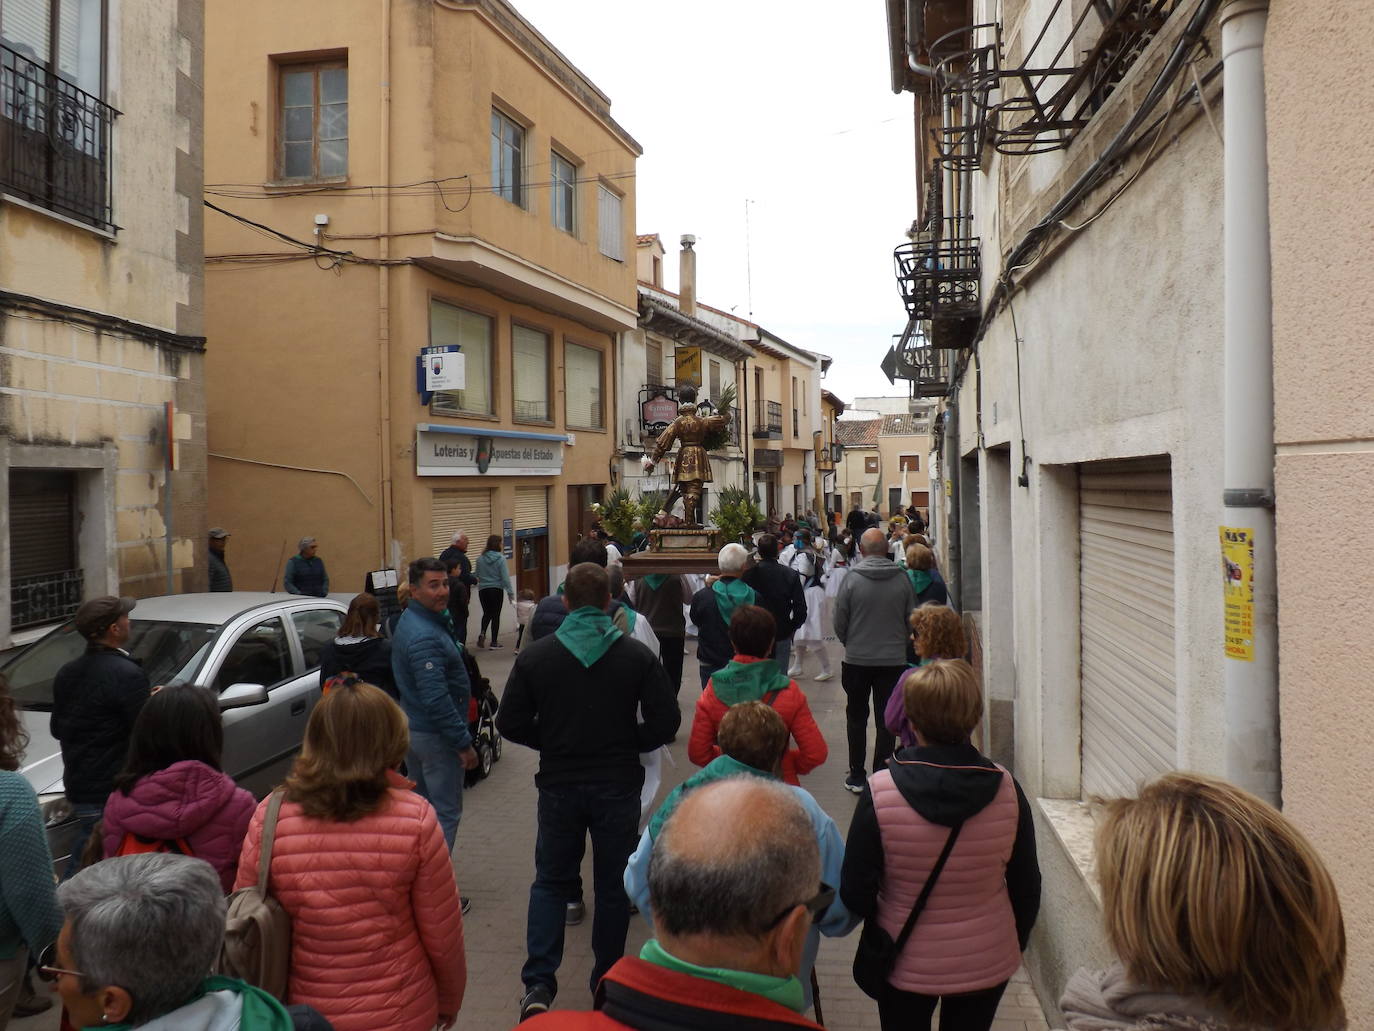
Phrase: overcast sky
pixel 786 106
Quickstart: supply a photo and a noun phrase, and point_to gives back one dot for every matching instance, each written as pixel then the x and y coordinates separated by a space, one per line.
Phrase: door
pixel 580 517
pixel 894 500
pixel 261 740
pixel 1126 600
pixel 532 564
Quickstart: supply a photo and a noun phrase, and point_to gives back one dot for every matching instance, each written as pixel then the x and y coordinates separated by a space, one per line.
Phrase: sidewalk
pixel 494 859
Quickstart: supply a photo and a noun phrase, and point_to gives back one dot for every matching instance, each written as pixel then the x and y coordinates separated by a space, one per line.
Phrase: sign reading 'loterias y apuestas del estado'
pixel 472 451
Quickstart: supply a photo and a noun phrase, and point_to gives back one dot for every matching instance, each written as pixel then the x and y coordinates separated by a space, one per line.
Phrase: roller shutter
pixel 42 531
pixel 1126 602
pixel 531 507
pixel 465 510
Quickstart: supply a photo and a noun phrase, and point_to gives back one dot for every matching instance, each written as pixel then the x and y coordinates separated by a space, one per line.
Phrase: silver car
pixel 259 653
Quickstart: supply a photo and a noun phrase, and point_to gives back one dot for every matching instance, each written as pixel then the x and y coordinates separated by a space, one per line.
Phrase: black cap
pixel 94 617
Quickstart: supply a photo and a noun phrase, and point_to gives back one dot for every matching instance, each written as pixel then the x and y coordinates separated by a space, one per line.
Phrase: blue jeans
pixel 87 815
pixel 434 766
pixel 782 653
pixel 567 813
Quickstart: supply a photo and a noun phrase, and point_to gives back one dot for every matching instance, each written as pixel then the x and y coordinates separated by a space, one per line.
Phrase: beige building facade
pixel 398 363
pixel 102 407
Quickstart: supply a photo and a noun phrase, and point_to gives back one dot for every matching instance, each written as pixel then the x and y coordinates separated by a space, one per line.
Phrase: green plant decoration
pixel 618 514
pixel 736 515
pixel 718 440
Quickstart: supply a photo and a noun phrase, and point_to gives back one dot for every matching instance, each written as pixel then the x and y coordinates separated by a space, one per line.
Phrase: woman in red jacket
pixel 360 865
pixel 750 677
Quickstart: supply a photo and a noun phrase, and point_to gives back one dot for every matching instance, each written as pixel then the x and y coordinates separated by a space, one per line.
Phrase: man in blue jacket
pixel 434 687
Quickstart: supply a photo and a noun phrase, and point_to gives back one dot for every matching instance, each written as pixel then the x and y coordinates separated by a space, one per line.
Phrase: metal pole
pixel 1251 687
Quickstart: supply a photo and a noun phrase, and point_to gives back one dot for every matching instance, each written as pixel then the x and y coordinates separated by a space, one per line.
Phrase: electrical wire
pixel 315 250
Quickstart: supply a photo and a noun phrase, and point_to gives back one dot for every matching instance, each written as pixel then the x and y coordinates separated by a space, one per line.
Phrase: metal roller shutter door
pixel 465 510
pixel 1126 603
pixel 531 507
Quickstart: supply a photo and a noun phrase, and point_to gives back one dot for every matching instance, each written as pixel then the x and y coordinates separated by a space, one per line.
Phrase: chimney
pixel 687 277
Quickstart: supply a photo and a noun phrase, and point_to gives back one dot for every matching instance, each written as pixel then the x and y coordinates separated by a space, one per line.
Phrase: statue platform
pixel 680 550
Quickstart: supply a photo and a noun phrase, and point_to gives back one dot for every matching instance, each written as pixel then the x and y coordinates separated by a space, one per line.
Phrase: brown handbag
pixel 257 929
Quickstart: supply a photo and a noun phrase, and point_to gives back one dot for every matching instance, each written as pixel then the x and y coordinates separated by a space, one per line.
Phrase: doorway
pixel 532 563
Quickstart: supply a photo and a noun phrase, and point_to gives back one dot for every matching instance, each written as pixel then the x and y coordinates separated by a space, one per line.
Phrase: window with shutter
pixel 530 356
pixel 45 584
pixel 582 386
pixel 653 361
pixel 472 332
pixel 714 381
pixel 608 225
pixel 455 511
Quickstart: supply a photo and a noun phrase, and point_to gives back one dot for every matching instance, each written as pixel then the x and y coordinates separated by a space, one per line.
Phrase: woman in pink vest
pixel 968 940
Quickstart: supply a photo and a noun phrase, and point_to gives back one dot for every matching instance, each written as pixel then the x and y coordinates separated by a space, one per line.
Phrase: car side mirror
pixel 236 696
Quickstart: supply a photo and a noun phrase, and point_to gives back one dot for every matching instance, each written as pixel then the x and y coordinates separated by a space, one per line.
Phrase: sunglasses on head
pixel 816 905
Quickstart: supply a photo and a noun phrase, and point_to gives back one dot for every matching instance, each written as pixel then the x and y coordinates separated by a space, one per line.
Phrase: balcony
pixel 767 420
pixel 54 142
pixel 50 598
pixel 939 279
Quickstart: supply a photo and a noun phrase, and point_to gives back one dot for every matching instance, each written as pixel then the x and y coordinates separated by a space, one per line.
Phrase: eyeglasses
pixel 816 905
pixel 49 973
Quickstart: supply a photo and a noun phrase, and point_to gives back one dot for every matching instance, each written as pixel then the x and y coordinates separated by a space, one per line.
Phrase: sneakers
pixel 855 782
pixel 576 913
pixel 794 674
pixel 481 640
pixel 827 675
pixel 536 1000
pixel 465 904
pixel 495 645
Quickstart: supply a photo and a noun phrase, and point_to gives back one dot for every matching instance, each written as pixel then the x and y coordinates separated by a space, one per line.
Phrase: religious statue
pixel 692 468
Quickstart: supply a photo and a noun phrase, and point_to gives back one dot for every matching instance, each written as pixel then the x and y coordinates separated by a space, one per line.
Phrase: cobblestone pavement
pixel 494 859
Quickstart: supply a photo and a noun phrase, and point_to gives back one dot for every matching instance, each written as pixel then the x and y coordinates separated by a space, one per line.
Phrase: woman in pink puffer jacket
pixel 171 788
pixel 359 863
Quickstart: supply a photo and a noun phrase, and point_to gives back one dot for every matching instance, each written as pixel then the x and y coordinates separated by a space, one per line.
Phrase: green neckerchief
pixel 747 681
pixel 719 768
pixel 730 595
pixel 785 991
pixel 920 580
pixel 631 617
pixel 588 633
pixel 260 1011
pixel 452 629
pixel 655 580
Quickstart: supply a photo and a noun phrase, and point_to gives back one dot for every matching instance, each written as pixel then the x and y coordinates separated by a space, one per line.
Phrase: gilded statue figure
pixel 692 468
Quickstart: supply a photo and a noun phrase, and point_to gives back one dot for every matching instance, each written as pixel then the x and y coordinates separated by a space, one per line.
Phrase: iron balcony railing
pixel 767 419
pixel 938 277
pixel 54 142
pixel 50 598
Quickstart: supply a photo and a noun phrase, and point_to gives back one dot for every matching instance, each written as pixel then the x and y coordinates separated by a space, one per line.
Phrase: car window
pixel 259 656
pixel 316 628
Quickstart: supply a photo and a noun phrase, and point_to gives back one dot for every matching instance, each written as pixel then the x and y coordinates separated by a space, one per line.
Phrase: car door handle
pixel 298 708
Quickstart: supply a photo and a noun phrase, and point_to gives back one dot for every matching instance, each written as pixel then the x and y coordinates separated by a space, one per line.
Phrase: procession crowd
pixel 1220 914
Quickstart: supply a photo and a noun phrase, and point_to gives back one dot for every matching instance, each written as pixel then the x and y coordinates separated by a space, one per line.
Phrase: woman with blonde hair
pixel 1221 914
pixel 937 632
pixel 926 582
pixel 944 828
pixel 360 864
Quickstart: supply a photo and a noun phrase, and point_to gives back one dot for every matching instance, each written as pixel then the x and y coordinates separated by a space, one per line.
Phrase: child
pixel 524 609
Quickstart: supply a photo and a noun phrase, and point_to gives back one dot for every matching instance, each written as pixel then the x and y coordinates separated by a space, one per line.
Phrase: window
pixel 45 580
pixel 54 129
pixel 608 223
pixel 259 656
pixel 714 381
pixel 530 357
pixel 314 121
pixel 909 463
pixel 870 464
pixel 582 386
pixel 563 187
pixel 472 333
pixel 507 158
pixel 653 362
pixel 316 628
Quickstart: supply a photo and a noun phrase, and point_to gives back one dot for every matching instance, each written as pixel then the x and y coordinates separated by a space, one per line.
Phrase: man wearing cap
pixel 220 580
pixel 305 573
pixel 95 700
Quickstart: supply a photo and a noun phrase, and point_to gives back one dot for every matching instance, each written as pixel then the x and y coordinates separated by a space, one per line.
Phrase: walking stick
pixel 816 997
pixel 280 559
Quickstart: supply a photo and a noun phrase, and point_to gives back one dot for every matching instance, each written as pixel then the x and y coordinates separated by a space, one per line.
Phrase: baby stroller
pixel 486 739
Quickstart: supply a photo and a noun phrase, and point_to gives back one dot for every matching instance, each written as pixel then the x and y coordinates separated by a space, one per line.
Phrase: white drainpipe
pixel 1251 686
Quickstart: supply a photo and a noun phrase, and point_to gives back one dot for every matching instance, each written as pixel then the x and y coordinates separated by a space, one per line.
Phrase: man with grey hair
pixel 714 604
pixel 141 937
pixel 871 611
pixel 305 572
pixel 734 880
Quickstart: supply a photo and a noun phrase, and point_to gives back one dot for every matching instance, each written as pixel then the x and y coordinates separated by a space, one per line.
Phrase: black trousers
pixel 862 684
pixel 671 652
pixel 907 1011
pixel 490 598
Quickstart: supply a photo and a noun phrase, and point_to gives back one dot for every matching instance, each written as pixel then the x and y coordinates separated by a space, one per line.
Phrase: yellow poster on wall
pixel 1238 570
pixel 687 366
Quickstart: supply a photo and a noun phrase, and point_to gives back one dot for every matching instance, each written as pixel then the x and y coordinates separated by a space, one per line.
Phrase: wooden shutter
pixel 465 510
pixel 42 530
pixel 609 235
pixel 1126 601
pixel 531 508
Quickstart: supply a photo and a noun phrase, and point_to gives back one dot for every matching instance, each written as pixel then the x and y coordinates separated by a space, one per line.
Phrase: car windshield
pixel 169 653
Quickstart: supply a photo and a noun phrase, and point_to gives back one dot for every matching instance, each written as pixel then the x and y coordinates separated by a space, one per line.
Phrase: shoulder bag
pixel 257 929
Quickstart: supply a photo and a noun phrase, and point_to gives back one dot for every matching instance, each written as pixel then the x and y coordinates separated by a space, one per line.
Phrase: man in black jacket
pixel 460 583
pixel 589 699
pixel 95 700
pixel 551 611
pixel 782 593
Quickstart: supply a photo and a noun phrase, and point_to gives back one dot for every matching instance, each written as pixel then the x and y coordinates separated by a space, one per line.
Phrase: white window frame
pixel 456 402
pixel 520 337
pixel 505 164
pixel 563 192
pixel 610 232
pixel 576 387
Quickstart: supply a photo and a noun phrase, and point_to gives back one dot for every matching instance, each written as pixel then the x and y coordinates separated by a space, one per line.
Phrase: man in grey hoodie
pixel 871 613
